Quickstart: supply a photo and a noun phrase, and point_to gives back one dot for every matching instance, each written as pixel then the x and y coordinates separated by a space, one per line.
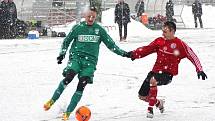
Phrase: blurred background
pixel 43 15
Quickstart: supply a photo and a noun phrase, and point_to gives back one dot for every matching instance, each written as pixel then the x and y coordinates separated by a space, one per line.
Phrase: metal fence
pixel 43 10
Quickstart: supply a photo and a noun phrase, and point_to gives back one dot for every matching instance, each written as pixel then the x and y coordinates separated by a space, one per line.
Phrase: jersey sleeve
pixel 146 50
pixel 192 57
pixel 69 38
pixel 110 44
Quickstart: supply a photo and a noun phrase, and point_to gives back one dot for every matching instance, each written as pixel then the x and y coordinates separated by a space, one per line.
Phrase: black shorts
pixel 161 78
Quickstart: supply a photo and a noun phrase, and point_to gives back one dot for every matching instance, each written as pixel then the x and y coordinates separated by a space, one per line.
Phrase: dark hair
pixel 171 25
pixel 93 8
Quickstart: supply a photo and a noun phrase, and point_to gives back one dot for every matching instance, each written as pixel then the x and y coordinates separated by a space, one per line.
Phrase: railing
pixel 70 5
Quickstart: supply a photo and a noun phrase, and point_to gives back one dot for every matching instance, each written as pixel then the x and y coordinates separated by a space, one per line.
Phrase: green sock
pixel 58 91
pixel 74 101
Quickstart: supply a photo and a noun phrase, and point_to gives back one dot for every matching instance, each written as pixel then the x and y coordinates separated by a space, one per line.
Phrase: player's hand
pixel 128 55
pixel 202 74
pixel 59 59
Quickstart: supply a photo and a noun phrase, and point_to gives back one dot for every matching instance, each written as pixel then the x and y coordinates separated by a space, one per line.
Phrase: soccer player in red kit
pixel 170 50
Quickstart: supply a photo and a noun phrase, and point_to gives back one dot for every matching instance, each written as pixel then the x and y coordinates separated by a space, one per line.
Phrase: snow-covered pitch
pixel 29 74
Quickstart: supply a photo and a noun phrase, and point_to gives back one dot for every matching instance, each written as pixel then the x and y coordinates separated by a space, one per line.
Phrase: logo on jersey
pixel 173 45
pixel 88 38
pixel 97 31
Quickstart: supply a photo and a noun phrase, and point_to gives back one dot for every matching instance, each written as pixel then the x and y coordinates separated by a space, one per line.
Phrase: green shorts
pixel 82 66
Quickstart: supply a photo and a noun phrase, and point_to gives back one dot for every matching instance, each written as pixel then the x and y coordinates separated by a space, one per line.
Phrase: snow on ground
pixel 29 75
pixel 208 18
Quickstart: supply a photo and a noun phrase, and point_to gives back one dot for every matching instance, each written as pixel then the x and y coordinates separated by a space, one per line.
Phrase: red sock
pixel 152 95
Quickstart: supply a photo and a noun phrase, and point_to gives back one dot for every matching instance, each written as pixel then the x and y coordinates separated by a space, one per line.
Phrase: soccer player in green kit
pixel 86 38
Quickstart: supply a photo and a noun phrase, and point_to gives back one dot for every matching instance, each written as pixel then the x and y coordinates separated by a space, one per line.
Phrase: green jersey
pixel 86 40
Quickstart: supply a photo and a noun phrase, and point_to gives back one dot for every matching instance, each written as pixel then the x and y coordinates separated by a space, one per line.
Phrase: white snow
pixel 208 18
pixel 29 75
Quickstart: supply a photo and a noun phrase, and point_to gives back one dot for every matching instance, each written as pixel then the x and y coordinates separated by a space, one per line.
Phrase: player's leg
pixel 145 87
pixel 76 96
pixel 162 79
pixel 63 84
pixel 69 73
pixel 85 77
pixel 152 97
pixel 148 90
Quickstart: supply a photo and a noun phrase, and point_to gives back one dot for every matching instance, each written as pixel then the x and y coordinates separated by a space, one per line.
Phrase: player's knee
pixel 144 98
pixel 144 90
pixel 153 82
pixel 69 77
pixel 82 83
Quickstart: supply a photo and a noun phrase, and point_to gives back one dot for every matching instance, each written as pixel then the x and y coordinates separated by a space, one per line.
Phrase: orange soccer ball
pixel 83 113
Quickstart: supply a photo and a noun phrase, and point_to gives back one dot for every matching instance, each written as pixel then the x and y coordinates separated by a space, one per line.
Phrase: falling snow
pixel 29 75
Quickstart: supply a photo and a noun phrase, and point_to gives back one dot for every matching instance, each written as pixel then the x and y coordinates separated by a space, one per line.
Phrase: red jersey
pixel 169 54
